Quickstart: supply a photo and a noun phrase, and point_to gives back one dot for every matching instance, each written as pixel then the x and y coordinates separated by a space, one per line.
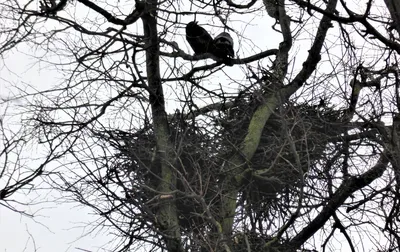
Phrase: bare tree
pixel 19 171
pixel 291 145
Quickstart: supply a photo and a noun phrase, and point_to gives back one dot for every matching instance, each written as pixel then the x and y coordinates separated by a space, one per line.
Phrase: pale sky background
pixel 55 227
pixel 62 227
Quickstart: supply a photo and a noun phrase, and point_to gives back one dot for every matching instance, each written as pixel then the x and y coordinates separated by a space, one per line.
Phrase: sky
pixel 55 227
pixel 58 227
pixel 61 227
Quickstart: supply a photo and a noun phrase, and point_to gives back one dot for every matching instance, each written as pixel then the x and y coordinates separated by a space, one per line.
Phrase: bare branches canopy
pixel 286 138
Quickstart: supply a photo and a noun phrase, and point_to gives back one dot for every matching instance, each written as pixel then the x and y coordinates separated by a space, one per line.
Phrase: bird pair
pixel 202 42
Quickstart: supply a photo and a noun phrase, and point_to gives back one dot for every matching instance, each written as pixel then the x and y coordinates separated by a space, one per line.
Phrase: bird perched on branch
pixel 52 7
pixel 202 42
pixel 223 46
pixel 199 39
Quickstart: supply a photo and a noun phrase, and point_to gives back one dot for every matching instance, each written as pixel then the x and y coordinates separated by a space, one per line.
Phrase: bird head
pixel 224 38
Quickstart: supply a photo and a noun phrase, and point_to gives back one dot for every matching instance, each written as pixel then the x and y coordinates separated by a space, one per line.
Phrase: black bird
pixel 223 46
pixel 199 39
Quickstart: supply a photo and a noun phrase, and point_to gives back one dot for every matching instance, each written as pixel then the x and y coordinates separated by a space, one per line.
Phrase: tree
pixel 297 143
pixel 19 171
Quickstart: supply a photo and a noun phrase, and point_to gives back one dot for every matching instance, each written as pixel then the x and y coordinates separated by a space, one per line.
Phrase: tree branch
pixel 345 190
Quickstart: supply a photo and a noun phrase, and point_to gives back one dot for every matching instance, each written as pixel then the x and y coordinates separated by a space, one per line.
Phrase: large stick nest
pixel 200 153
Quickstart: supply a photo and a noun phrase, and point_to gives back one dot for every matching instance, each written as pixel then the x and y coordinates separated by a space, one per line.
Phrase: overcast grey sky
pixel 62 227
pixel 55 227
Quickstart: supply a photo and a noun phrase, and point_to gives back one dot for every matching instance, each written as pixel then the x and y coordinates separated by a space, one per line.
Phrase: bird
pixel 199 39
pixel 223 46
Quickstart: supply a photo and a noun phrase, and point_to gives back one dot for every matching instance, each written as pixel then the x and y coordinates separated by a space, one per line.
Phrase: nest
pixel 198 159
